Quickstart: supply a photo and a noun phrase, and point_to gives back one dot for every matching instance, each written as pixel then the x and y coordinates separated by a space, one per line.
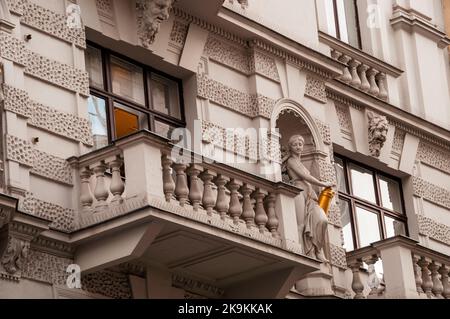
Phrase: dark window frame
pixel 336 22
pixel 110 98
pixel 376 208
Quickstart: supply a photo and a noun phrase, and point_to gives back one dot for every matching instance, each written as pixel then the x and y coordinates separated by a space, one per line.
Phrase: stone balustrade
pixel 361 70
pixel 409 271
pixel 143 168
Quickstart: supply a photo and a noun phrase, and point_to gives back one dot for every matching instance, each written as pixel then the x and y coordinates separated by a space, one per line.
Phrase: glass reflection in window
pixel 368 227
pixel 97 118
pixel 362 183
pixel 164 96
pixel 128 120
pixel 340 175
pixel 394 227
pixel 93 57
pixel 344 207
pixel 390 194
pixel 127 80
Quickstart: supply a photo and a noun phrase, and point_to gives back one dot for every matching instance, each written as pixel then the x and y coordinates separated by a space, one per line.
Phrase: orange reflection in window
pixel 126 122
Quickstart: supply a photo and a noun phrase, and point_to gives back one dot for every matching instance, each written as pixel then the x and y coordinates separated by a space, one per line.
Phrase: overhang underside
pixel 240 266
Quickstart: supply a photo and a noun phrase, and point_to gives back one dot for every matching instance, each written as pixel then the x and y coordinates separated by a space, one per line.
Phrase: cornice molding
pixel 413 21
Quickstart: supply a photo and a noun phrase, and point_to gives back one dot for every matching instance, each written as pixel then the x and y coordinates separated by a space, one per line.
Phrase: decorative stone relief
pixel 16 101
pixel 52 23
pixel 62 218
pixel 325 131
pixel 179 33
pixel 430 192
pixel 150 14
pixel 14 256
pixel 60 123
pixel 230 55
pixel 434 230
pixel 315 88
pixel 104 5
pixel 399 141
pixel 344 118
pixel 243 3
pixel 52 167
pixel 327 172
pixel 248 104
pixel 264 65
pixel 338 256
pixel 334 216
pixel 19 150
pixel 57 73
pixel 378 129
pixel 13 49
pixel 434 157
pixel 108 283
pixel 16 6
pixel 47 268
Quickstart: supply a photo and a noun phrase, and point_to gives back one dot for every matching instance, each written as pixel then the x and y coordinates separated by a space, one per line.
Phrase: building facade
pixel 151 149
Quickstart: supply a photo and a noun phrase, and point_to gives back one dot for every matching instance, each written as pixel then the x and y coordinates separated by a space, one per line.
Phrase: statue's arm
pixel 305 175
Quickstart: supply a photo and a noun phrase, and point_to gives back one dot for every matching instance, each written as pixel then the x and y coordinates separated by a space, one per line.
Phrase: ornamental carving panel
pixel 62 218
pixel 17 101
pixel 179 33
pixel 19 150
pixel 435 194
pixel 227 54
pixel 344 119
pixel 315 89
pixel 434 230
pixel 399 141
pixel 46 268
pixel 334 215
pixel 13 49
pixel 52 167
pixel 52 23
pixel 57 73
pixel 265 65
pixel 378 129
pixel 325 131
pixel 338 257
pixel 111 284
pixel 434 157
pixel 16 6
pixel 327 172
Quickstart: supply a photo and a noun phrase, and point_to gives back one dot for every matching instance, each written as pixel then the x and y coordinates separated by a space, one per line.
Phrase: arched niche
pixel 291 118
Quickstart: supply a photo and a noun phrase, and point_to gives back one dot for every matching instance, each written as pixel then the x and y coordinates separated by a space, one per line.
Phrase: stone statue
pixel 150 15
pixel 311 218
pixel 378 129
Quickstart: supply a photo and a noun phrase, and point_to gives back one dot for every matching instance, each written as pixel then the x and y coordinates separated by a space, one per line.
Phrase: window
pixel 343 22
pixel 371 204
pixel 127 96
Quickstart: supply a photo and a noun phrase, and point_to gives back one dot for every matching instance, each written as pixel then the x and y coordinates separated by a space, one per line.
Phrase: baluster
pixel 335 54
pixel 209 199
pixel 101 192
pixel 437 284
pixel 272 222
pixel 382 85
pixel 235 210
pixel 168 182
pixel 365 85
pixel 417 273
pixel 444 270
pixel 427 283
pixel 373 280
pixel 374 90
pixel 356 81
pixel 248 213
pixel 195 193
pixel 181 185
pixel 85 197
pixel 222 204
pixel 261 218
pixel 117 186
pixel 346 77
pixel 357 285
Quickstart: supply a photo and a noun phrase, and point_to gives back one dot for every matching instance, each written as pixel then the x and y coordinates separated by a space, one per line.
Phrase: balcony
pixel 139 202
pixel 410 271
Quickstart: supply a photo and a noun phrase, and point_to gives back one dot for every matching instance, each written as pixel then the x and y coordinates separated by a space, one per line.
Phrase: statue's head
pixel 152 13
pixel 296 143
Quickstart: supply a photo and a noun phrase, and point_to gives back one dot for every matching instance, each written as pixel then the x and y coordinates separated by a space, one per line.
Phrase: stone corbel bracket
pixel 378 130
pixel 17 230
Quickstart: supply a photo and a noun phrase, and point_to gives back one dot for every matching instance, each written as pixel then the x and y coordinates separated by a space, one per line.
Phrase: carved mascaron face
pixel 151 14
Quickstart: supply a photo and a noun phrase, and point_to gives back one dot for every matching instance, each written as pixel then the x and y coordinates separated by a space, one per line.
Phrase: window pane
pixel 93 57
pixel 331 20
pixel 127 80
pixel 344 207
pixel 368 227
pixel 164 96
pixel 394 227
pixel 99 124
pixel 128 120
pixel 390 194
pixel 340 174
pixel 342 20
pixel 362 183
pixel 351 23
pixel 163 129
